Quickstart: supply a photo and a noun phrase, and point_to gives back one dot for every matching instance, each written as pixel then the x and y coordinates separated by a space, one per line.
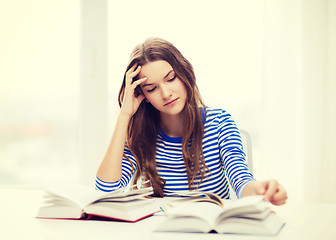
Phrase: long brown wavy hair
pixel 145 123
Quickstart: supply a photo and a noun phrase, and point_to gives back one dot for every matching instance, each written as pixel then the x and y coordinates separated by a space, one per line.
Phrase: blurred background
pixel 270 63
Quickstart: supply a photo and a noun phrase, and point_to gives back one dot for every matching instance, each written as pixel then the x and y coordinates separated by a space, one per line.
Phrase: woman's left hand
pixel 271 189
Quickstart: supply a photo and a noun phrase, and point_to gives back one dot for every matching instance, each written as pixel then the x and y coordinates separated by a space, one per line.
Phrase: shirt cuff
pixel 240 193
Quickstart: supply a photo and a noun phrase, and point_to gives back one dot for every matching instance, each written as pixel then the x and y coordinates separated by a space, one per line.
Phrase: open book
pixel 248 215
pixel 84 203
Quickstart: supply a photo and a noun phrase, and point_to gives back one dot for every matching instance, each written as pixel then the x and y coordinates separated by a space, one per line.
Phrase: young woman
pixel 165 133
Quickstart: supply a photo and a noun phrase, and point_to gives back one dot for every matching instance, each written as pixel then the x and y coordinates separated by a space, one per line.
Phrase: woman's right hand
pixel 130 102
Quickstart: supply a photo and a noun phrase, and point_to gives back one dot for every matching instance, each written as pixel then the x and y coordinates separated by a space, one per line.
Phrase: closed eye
pixel 151 90
pixel 172 79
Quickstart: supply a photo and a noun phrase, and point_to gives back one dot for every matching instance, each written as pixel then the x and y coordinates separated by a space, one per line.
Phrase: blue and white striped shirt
pixel 223 155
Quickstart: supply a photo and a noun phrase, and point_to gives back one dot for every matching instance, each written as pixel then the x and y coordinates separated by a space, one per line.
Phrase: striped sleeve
pixel 127 172
pixel 232 154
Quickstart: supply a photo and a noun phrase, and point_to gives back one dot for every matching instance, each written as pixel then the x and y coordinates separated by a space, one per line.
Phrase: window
pixel 39 92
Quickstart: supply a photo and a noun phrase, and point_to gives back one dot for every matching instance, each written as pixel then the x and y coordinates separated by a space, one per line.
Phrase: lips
pixel 171 102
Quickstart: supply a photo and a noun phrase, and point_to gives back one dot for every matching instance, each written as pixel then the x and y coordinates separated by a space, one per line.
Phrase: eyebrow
pixel 149 84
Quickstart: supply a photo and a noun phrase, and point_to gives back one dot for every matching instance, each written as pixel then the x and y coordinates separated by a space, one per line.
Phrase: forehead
pixel 156 70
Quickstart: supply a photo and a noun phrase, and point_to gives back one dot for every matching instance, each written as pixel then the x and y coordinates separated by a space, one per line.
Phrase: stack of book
pixel 209 213
pixel 84 203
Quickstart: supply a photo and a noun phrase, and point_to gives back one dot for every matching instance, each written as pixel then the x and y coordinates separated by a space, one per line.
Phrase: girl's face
pixel 163 89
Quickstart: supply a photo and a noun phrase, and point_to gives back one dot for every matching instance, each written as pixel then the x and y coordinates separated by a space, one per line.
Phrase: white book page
pixel 77 194
pixel 203 210
pixel 243 202
pixel 83 196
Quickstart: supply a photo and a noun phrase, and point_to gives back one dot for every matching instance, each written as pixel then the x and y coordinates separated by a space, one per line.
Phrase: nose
pixel 165 92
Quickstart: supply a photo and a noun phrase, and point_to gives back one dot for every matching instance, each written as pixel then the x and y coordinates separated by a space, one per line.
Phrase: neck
pixel 172 125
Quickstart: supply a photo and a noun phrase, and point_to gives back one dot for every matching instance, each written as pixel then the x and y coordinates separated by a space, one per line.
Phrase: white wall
pixel 319 61
pixel 279 154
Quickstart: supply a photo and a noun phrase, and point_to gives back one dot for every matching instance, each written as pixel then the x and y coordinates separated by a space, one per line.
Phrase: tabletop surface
pixel 18 208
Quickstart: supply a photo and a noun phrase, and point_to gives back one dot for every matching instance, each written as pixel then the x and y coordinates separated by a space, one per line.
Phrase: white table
pixel 18 208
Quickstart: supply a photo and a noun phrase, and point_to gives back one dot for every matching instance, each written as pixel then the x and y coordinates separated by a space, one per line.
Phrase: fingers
pixel 136 72
pixel 138 82
pixel 131 73
pixel 280 202
pixel 279 197
pixel 133 68
pixel 274 192
pixel 271 187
